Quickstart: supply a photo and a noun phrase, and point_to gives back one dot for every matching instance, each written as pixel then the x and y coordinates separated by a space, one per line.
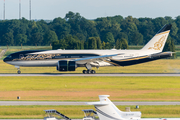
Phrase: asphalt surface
pixel 81 119
pixel 33 119
pixel 8 103
pixel 113 74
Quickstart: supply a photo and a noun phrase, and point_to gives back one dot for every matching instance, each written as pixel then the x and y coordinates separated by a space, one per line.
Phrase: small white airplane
pixel 69 60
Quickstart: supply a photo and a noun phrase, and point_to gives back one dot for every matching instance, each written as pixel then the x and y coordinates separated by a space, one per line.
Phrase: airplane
pixel 69 60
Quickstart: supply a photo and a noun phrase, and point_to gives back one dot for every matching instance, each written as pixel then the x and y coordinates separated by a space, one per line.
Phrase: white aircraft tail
pixel 157 43
pixel 106 110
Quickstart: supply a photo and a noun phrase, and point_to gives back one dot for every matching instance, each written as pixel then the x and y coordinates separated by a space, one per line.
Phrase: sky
pixel 91 9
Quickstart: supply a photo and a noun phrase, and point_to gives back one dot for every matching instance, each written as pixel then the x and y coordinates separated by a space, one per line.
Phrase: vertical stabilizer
pixel 106 110
pixel 157 43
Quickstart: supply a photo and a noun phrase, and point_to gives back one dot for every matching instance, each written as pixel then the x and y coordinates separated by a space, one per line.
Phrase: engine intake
pixel 65 65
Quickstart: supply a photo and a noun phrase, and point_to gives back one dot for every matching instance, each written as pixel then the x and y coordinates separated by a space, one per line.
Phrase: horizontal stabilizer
pixel 97 103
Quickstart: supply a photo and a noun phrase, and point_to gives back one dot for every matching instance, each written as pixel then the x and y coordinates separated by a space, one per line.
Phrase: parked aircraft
pixel 69 60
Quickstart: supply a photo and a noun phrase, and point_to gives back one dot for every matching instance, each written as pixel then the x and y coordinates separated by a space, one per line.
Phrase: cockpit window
pixel 9 56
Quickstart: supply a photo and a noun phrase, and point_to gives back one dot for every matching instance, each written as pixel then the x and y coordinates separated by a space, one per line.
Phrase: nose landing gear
pixel 18 68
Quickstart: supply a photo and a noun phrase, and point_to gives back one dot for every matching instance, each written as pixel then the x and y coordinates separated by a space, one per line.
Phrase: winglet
pixel 164 28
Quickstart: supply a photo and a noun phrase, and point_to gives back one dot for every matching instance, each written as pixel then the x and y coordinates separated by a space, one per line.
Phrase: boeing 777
pixel 69 60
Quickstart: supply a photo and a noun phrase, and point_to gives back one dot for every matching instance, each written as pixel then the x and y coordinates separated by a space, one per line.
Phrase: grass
pixel 30 112
pixel 88 88
pixel 27 47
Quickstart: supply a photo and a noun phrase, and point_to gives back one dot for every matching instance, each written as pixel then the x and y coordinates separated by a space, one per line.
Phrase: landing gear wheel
pixel 19 72
pixel 88 71
pixel 93 71
pixel 85 71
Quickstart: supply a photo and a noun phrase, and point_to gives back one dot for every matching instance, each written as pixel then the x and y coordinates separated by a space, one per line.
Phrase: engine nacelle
pixel 64 65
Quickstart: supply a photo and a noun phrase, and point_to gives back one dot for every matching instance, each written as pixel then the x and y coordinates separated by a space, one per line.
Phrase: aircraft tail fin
pixel 106 110
pixel 157 43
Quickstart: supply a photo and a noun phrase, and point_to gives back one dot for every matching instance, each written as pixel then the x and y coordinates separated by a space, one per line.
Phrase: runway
pixel 81 119
pixel 14 103
pixel 103 74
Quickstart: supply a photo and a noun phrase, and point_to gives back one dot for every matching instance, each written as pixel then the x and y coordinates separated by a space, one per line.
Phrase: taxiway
pixel 14 103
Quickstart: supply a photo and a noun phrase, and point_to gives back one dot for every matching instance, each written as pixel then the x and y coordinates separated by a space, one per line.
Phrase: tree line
pixel 76 32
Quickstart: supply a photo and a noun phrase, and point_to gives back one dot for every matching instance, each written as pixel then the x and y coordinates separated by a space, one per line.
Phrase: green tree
pixel 98 42
pixel 8 39
pixel 169 46
pixel 70 42
pixel 20 39
pixel 137 39
pixel 49 37
pixel 109 38
pixel 103 45
pixel 92 44
pixel 37 38
pixel 55 44
pixel 118 46
pixel 121 44
pixel 121 35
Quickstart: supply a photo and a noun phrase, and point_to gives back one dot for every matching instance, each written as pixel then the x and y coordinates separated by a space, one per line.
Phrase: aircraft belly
pixel 39 63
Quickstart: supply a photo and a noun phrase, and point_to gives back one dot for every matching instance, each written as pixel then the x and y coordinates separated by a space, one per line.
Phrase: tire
pixel 85 71
pixel 88 71
pixel 93 71
pixel 19 72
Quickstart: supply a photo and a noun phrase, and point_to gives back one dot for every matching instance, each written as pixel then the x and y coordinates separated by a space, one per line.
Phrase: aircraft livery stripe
pixel 132 58
pixel 106 115
pixel 163 33
pixel 112 63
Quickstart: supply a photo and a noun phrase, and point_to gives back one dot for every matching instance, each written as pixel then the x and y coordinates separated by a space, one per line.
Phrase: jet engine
pixel 64 65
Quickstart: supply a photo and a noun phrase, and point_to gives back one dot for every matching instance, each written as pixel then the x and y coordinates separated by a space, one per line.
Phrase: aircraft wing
pixel 97 58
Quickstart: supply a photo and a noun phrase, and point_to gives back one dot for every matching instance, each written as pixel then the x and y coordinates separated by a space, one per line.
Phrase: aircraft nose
pixel 6 59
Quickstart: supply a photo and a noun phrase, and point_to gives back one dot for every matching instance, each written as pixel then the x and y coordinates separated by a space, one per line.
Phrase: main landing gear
pixel 89 71
pixel 18 68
